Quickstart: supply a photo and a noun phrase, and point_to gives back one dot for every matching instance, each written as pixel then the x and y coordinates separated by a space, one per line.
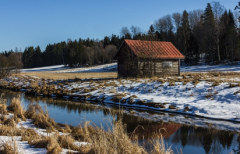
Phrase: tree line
pixel 206 36
pixel 75 53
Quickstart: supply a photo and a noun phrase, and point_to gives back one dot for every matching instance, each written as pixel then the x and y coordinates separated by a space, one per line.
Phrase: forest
pixel 209 36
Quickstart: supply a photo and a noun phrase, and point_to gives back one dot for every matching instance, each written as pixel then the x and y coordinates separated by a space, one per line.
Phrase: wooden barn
pixel 138 58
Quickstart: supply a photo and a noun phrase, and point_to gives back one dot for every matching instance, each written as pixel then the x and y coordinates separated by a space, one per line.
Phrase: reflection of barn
pixel 148 58
pixel 166 130
pixel 145 128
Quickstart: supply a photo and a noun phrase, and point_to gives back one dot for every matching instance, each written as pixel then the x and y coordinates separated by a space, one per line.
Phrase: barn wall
pixel 174 70
pixel 156 67
pixel 127 66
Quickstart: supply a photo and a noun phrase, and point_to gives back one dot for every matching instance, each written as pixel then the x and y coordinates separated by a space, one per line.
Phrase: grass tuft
pixel 39 117
pixel 17 108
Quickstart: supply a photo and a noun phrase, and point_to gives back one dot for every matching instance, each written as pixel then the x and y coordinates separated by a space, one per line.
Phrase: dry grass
pixel 53 146
pixel 40 117
pixel 172 107
pixel 82 132
pixel 3 109
pixel 159 147
pixel 172 84
pixel 34 139
pixel 57 76
pixel 9 147
pixel 213 75
pixel 186 108
pixel 114 141
pixel 17 108
pixel 237 92
pixel 7 130
pixel 209 95
pixel 50 143
pixel 232 85
pixel 117 97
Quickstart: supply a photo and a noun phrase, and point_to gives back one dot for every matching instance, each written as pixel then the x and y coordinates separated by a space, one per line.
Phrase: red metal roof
pixel 154 49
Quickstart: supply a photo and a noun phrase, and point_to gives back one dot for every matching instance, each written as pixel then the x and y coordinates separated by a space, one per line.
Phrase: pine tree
pixel 185 34
pixel 209 32
pixel 231 36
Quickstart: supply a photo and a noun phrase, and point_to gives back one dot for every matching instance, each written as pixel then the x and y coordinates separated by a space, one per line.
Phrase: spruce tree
pixel 209 32
pixel 186 33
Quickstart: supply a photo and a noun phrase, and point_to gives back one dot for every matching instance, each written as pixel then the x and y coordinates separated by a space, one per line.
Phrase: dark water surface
pixel 189 139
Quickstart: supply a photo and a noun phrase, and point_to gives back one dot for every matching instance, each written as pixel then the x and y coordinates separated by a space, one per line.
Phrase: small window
pixel 166 64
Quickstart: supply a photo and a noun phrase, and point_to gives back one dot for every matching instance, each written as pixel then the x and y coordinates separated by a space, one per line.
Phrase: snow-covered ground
pixel 61 68
pixel 207 68
pixel 113 68
pixel 100 68
pixel 23 146
pixel 47 68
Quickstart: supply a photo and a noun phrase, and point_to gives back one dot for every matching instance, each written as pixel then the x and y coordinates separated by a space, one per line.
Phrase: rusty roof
pixel 154 49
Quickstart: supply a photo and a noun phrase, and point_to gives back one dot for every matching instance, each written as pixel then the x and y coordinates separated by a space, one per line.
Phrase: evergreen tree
pixel 28 57
pixel 37 57
pixel 209 33
pixel 185 33
pixel 231 36
pixel 106 41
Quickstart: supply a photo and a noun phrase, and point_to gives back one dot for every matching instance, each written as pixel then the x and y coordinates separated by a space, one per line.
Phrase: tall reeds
pixel 115 140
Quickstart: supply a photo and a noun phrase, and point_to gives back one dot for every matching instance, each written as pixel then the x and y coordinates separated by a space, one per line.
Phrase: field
pixel 60 72
pixel 66 76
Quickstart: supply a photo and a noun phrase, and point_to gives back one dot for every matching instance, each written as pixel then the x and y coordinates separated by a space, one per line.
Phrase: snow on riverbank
pixel 223 103
pixel 178 95
pixel 23 146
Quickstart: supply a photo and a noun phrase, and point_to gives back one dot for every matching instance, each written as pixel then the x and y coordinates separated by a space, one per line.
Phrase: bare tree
pixel 195 17
pixel 135 31
pixel 164 24
pixel 10 64
pixel 218 11
pixel 111 51
pixel 177 17
pixel 89 55
pixel 125 32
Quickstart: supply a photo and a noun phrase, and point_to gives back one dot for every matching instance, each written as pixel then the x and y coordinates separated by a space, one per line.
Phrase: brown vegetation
pixel 115 140
pixel 16 108
pixel 39 117
pixel 64 76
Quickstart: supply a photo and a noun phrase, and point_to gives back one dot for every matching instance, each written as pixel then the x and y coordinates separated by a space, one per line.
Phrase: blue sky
pixel 40 22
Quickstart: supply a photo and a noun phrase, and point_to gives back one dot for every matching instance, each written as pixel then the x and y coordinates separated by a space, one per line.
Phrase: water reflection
pixel 188 138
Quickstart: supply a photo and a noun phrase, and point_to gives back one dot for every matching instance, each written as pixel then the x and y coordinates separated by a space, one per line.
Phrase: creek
pixel 189 138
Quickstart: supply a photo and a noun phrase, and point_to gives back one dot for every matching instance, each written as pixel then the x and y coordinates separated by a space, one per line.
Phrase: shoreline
pixel 193 94
pixel 156 116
